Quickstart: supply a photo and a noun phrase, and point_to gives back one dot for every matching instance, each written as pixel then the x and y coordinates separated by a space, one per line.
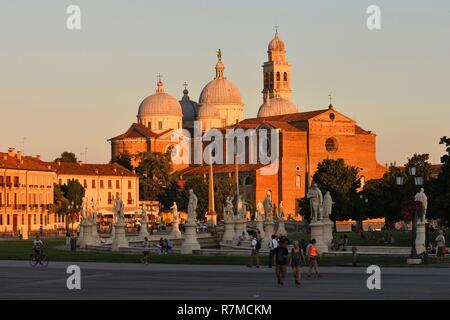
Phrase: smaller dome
pixel 276 44
pixel 208 111
pixel 189 107
pixel 275 107
pixel 159 103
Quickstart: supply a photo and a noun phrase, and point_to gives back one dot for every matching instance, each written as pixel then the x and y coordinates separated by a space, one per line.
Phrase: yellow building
pixel 26 194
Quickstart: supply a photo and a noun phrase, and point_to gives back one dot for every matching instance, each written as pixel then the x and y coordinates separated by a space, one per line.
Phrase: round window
pixel 332 116
pixel 331 145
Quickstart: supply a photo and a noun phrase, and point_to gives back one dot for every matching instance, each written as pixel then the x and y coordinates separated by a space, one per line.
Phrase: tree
pixel 123 159
pixel 421 163
pixel 67 157
pixel 154 172
pixel 342 182
pixel 440 202
pixel 74 193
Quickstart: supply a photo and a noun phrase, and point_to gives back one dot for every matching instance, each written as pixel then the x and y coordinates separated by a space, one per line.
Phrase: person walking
pixel 440 245
pixel 161 245
pixel 273 244
pixel 146 251
pixel 281 258
pixel 296 260
pixel 254 257
pixel 312 255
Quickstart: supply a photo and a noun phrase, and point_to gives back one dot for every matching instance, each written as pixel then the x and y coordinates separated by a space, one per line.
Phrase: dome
pixel 188 107
pixel 275 107
pixel 276 44
pixel 220 91
pixel 208 111
pixel 160 103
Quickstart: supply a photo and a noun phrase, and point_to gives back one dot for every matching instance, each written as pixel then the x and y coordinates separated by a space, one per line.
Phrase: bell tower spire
pixel 276 71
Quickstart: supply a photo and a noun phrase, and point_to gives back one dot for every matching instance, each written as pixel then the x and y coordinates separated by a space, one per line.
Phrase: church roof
pixel 136 130
pixel 292 117
pixel 160 103
pixel 16 161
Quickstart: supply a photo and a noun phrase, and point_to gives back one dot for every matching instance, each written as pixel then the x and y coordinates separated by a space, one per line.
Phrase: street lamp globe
pixel 418 181
pixel 399 180
pixel 412 171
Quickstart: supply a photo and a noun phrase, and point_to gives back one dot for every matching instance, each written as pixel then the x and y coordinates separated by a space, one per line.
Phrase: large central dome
pixel 275 107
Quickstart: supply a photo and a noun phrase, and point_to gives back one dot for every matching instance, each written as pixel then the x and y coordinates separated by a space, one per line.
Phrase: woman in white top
pixel 440 244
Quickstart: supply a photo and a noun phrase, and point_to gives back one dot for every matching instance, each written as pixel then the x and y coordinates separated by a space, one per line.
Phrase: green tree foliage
pixel 342 182
pixel 421 163
pixel 154 172
pixel 440 202
pixel 74 193
pixel 123 159
pixel 60 202
pixel 67 156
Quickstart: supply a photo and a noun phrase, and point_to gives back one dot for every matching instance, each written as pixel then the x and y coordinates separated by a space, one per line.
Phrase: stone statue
pixel 242 208
pixel 316 200
pixel 421 197
pixel 84 209
pixel 281 212
pixel 268 208
pixel 192 207
pixel 228 210
pixel 174 208
pixel 118 210
pixel 327 205
pixel 143 214
pixel 259 210
pixel 93 211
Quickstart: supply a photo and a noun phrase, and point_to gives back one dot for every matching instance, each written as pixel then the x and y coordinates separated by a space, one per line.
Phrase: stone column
pixel 119 240
pixel 260 227
pixel 269 228
pixel 228 234
pixel 281 230
pixel 190 242
pixel 143 232
pixel 239 228
pixel 86 238
pixel 328 232
pixel 317 233
pixel 420 237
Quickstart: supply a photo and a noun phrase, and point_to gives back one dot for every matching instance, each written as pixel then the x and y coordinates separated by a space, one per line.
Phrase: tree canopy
pixel 123 159
pixel 67 156
pixel 154 172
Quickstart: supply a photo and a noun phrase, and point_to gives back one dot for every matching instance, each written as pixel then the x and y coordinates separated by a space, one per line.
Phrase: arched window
pixel 285 78
pixel 278 76
pixel 248 181
pixel 331 145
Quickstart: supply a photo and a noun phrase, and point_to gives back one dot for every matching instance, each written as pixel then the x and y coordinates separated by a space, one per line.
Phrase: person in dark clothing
pixel 281 259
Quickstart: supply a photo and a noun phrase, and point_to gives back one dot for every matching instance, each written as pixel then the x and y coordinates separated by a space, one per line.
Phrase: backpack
pixel 258 245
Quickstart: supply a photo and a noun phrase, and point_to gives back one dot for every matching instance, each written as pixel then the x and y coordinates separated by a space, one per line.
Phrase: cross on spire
pixel 159 76
pixel 276 28
pixel 185 84
pixel 330 97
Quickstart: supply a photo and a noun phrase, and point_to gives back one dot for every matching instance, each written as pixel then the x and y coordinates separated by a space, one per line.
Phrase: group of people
pixel 165 246
pixel 300 254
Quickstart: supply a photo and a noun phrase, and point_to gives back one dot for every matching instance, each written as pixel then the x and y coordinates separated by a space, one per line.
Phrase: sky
pixel 72 90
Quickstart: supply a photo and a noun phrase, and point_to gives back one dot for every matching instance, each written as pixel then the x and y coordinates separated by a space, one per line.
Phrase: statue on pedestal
pixel 192 207
pixel 84 209
pixel 228 210
pixel 327 205
pixel 93 211
pixel 421 197
pixel 174 208
pixel 118 210
pixel 268 208
pixel 281 212
pixel 259 210
pixel 316 200
pixel 143 214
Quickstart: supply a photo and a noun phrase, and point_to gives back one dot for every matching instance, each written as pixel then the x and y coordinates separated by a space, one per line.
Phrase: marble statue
pixel 316 200
pixel 93 211
pixel 421 197
pixel 259 210
pixel 118 210
pixel 327 205
pixel 228 210
pixel 143 214
pixel 84 209
pixel 242 208
pixel 268 207
pixel 174 208
pixel 192 207
pixel 281 212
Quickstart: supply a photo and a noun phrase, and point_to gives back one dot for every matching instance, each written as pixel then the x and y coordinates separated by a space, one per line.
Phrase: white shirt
pixel 254 242
pixel 273 244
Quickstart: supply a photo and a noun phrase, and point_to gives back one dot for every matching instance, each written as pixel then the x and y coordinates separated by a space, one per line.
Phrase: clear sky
pixel 71 90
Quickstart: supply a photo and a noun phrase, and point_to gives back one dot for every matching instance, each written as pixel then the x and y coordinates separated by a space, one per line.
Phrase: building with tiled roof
pixel 26 194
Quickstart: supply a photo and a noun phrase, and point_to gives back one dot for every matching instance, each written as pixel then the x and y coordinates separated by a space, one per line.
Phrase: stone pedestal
pixel 238 229
pixel 119 240
pixel 281 230
pixel 328 226
pixel 269 228
pixel 228 234
pixel 420 237
pixel 260 227
pixel 143 232
pixel 317 233
pixel 211 218
pixel 81 234
pixel 176 233
pixel 86 238
pixel 95 236
pixel 190 242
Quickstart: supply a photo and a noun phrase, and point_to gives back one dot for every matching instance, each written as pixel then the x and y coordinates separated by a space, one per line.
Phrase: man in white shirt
pixel 255 246
pixel 273 244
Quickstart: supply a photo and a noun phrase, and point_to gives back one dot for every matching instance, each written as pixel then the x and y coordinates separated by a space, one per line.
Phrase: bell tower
pixel 276 71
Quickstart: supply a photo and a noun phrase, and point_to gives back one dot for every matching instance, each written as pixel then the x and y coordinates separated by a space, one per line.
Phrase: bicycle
pixel 40 259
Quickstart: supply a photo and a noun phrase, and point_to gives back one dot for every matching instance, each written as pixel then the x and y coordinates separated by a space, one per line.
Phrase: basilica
pixel 305 137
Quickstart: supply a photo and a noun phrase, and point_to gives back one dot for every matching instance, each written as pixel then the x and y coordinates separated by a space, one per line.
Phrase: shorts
pixel 440 251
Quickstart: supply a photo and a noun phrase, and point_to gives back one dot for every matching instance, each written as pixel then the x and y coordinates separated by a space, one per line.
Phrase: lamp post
pixel 415 181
